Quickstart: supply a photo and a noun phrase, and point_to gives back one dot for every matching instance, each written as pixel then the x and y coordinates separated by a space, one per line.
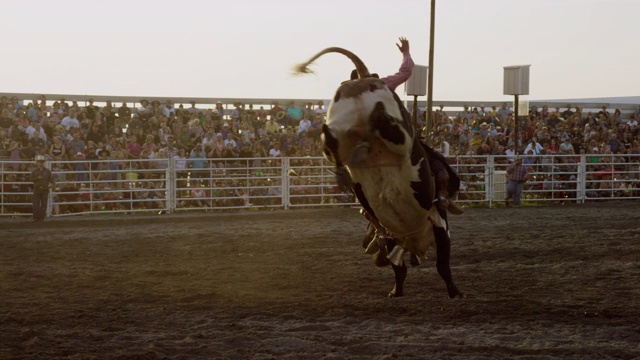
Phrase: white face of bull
pixel 366 110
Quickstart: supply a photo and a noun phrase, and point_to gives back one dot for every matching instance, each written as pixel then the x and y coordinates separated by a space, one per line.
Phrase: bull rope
pixel 397 235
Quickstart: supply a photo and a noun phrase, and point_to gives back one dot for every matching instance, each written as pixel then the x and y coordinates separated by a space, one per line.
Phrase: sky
pixel 247 48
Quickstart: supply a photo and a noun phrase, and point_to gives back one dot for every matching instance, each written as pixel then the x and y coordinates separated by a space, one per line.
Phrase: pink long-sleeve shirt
pixel 406 67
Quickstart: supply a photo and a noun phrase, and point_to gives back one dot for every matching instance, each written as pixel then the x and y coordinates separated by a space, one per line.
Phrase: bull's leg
pixel 400 274
pixel 443 252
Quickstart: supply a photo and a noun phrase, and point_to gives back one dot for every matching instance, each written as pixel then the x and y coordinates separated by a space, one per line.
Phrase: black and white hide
pixel 369 137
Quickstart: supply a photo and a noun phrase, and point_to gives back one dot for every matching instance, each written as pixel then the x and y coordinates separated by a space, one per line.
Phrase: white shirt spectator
pixel 274 152
pixel 536 148
pixel 304 125
pixel 69 122
pixel 444 148
pixel 510 153
pixel 181 162
pixel 167 110
pixel 31 132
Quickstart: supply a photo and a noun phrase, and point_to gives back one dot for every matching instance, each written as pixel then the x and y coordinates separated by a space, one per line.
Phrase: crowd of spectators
pixel 201 142
pixel 543 132
pixel 491 131
pixel 68 131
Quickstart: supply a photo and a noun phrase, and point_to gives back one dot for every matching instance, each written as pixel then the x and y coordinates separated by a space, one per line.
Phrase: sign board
pixel 417 83
pixel 516 80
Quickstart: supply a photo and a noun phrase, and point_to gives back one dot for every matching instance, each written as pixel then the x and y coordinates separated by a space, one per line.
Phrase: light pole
pixel 430 77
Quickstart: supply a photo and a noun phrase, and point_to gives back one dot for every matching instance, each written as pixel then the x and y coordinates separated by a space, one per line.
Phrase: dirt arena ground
pixel 541 283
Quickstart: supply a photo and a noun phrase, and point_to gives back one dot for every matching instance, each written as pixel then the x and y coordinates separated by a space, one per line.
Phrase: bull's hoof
pixel 414 261
pixel 455 293
pixel 395 293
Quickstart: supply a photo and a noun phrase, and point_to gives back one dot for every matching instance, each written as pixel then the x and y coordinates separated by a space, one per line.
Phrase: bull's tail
pixel 362 70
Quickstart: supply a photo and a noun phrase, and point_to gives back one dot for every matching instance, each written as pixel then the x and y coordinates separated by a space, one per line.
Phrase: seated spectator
pixel 150 196
pixel 70 121
pixel 294 115
pixel 134 148
pixel 304 125
pixel 275 151
pixel 566 148
pixel 76 144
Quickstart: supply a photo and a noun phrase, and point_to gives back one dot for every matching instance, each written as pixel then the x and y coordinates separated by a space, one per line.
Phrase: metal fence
pixel 168 185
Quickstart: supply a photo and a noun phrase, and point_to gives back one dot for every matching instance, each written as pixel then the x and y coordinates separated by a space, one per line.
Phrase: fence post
pixel 285 182
pixel 581 181
pixel 50 195
pixel 488 175
pixel 170 177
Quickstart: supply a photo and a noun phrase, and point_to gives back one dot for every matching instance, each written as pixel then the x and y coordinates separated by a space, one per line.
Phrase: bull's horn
pixel 396 256
pixel 292 173
pixel 362 70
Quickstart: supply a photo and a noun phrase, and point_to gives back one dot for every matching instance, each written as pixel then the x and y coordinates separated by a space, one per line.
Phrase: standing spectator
pixel 79 168
pixel 503 112
pixel 168 109
pixel 193 109
pixel 517 174
pixel 197 162
pixel 236 113
pixel 320 110
pixel 633 120
pixel 91 110
pixel 124 112
pixel 181 168
pixel 43 181
pixel 567 113
pixel 262 114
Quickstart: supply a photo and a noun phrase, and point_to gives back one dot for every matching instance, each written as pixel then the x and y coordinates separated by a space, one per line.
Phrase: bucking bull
pixel 369 137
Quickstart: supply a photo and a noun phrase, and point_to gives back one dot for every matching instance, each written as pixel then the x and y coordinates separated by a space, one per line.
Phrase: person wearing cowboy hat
pixel 43 180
